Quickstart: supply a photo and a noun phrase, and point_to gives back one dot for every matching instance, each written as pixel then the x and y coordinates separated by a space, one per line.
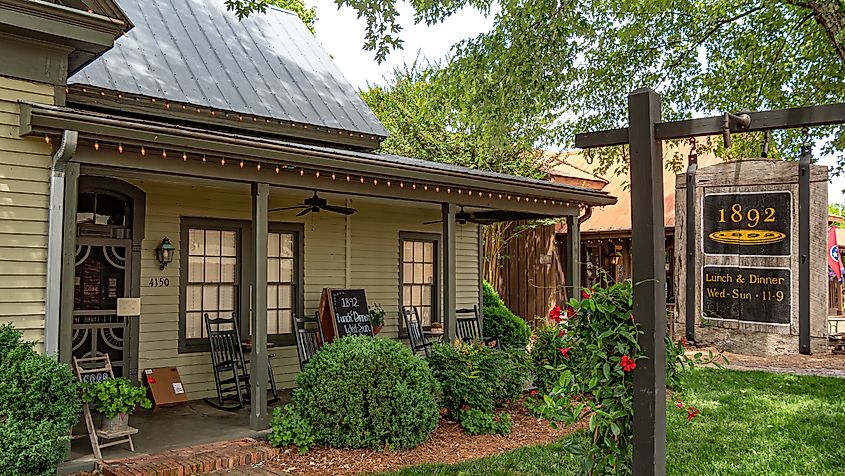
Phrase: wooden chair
pixel 227 356
pixel 415 332
pixel 309 339
pixel 231 376
pixel 468 327
pixel 92 370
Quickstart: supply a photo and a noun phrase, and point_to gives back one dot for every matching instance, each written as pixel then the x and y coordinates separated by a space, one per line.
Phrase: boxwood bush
pixel 500 321
pixel 39 403
pixel 361 392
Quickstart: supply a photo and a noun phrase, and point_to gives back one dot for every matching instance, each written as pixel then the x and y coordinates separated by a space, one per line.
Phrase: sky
pixel 342 34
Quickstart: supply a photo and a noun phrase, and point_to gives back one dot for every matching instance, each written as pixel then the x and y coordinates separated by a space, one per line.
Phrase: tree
pixel 575 61
pixel 306 14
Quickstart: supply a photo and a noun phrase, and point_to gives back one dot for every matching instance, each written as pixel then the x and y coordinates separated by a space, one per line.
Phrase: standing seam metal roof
pixel 197 52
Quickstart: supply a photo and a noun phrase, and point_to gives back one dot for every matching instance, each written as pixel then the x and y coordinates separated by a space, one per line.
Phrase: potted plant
pixel 376 313
pixel 436 328
pixel 115 399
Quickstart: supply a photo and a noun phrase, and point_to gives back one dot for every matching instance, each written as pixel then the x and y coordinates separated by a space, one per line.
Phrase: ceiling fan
pixel 461 217
pixel 316 204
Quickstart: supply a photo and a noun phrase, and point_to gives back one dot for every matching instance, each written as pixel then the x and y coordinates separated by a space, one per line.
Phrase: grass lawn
pixel 751 424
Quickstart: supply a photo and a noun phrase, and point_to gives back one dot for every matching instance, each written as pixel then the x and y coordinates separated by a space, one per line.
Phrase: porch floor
pixel 167 428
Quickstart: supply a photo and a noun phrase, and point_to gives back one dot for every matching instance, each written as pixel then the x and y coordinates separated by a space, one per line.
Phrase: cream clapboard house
pixel 121 126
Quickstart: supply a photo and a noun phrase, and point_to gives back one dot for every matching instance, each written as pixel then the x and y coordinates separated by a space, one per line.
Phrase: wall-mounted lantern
pixel 164 253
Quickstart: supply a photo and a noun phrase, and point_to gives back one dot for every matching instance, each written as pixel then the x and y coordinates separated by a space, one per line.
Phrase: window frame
pixel 434 238
pixel 298 232
pixel 245 271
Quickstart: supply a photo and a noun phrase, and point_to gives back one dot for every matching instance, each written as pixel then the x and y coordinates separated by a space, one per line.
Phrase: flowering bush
pixel 596 340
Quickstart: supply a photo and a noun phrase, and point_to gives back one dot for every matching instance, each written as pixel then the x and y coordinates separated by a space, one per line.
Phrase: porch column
pixel 259 416
pixel 572 269
pixel 449 269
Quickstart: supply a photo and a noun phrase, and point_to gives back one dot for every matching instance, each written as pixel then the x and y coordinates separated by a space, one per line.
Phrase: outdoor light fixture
pixel 164 253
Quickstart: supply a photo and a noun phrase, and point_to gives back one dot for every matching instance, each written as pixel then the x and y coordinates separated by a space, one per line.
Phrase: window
pixel 283 279
pixel 419 274
pixel 213 277
pixel 216 278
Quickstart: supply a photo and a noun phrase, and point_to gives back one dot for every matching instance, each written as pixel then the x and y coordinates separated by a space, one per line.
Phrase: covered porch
pixel 214 196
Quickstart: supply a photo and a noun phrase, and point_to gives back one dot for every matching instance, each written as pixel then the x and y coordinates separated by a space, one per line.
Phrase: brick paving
pixel 192 460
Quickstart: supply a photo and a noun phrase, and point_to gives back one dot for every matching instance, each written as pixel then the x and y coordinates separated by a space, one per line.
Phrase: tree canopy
pixel 570 64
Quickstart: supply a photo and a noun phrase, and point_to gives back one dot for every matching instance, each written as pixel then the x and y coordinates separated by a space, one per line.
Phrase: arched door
pixel 107 269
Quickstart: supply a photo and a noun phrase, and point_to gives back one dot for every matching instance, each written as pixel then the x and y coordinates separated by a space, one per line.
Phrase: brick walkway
pixel 200 459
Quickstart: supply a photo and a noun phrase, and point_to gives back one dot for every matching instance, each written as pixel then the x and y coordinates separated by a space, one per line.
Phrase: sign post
pixel 644 135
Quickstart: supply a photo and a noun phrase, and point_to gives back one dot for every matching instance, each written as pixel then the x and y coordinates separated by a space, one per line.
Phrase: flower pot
pixel 117 424
pixel 377 329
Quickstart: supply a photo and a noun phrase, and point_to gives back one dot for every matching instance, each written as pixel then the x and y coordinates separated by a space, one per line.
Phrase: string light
pixel 96 146
pixel 242 164
pixel 143 151
pixel 47 139
pixel 317 174
pixel 184 156
pixel 333 176
pixel 164 153
pixel 347 178
pixel 222 161
pixel 388 184
pixel 258 167
pixel 301 172
pixel 362 179
pixel 277 169
pixel 425 187
pixel 203 157
pixel 402 185
pixel 437 189
pixel 375 181
pixel 120 148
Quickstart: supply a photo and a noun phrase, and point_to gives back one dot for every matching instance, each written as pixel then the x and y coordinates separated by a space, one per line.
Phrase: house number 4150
pixel 159 282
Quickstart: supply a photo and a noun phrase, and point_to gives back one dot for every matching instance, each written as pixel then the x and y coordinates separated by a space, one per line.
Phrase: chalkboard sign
pixel 759 295
pixel 347 311
pixel 748 224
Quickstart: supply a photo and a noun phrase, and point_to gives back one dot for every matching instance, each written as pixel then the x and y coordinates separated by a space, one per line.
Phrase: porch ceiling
pixel 176 150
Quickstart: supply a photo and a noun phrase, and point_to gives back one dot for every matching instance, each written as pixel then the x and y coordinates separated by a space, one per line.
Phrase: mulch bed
pixel 447 444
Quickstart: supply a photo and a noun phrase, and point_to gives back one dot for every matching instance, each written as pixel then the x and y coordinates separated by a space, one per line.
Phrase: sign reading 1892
pixel 747 294
pixel 757 224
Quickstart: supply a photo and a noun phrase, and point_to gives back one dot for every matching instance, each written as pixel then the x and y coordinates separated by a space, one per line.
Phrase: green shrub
pixel 474 376
pixel 361 392
pixel 115 395
pixel 500 321
pixel 289 428
pixel 477 422
pixel 546 357
pixel 39 403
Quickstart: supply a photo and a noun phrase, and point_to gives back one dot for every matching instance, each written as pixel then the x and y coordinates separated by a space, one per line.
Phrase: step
pixel 192 460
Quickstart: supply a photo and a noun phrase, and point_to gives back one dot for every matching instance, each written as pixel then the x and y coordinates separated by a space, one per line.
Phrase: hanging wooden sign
pixel 747 223
pixel 344 312
pixel 758 295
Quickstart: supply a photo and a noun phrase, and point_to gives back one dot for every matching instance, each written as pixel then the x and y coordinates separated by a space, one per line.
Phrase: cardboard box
pixel 165 386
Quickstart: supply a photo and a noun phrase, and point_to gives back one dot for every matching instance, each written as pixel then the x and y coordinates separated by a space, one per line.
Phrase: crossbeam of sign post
pixel 644 134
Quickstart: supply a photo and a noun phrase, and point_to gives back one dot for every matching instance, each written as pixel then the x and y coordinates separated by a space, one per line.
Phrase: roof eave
pixel 548 198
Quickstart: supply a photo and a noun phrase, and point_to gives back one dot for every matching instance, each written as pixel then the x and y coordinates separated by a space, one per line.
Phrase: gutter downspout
pixel 65 151
pixel 588 212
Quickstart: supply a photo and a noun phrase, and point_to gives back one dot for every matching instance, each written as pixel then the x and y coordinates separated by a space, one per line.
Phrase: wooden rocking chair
pixel 92 370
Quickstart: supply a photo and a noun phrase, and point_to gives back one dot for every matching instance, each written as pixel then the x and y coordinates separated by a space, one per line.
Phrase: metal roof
pixel 197 52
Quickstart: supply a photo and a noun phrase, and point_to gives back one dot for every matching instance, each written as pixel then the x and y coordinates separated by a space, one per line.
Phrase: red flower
pixel 627 363
pixel 679 404
pixel 692 412
pixel 554 314
pixel 565 351
pixel 561 333
pixel 585 294
pixel 570 312
pixel 683 342
pixel 533 393
pixel 632 316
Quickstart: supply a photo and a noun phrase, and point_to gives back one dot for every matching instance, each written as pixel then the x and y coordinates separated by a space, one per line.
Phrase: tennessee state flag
pixel 833 258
